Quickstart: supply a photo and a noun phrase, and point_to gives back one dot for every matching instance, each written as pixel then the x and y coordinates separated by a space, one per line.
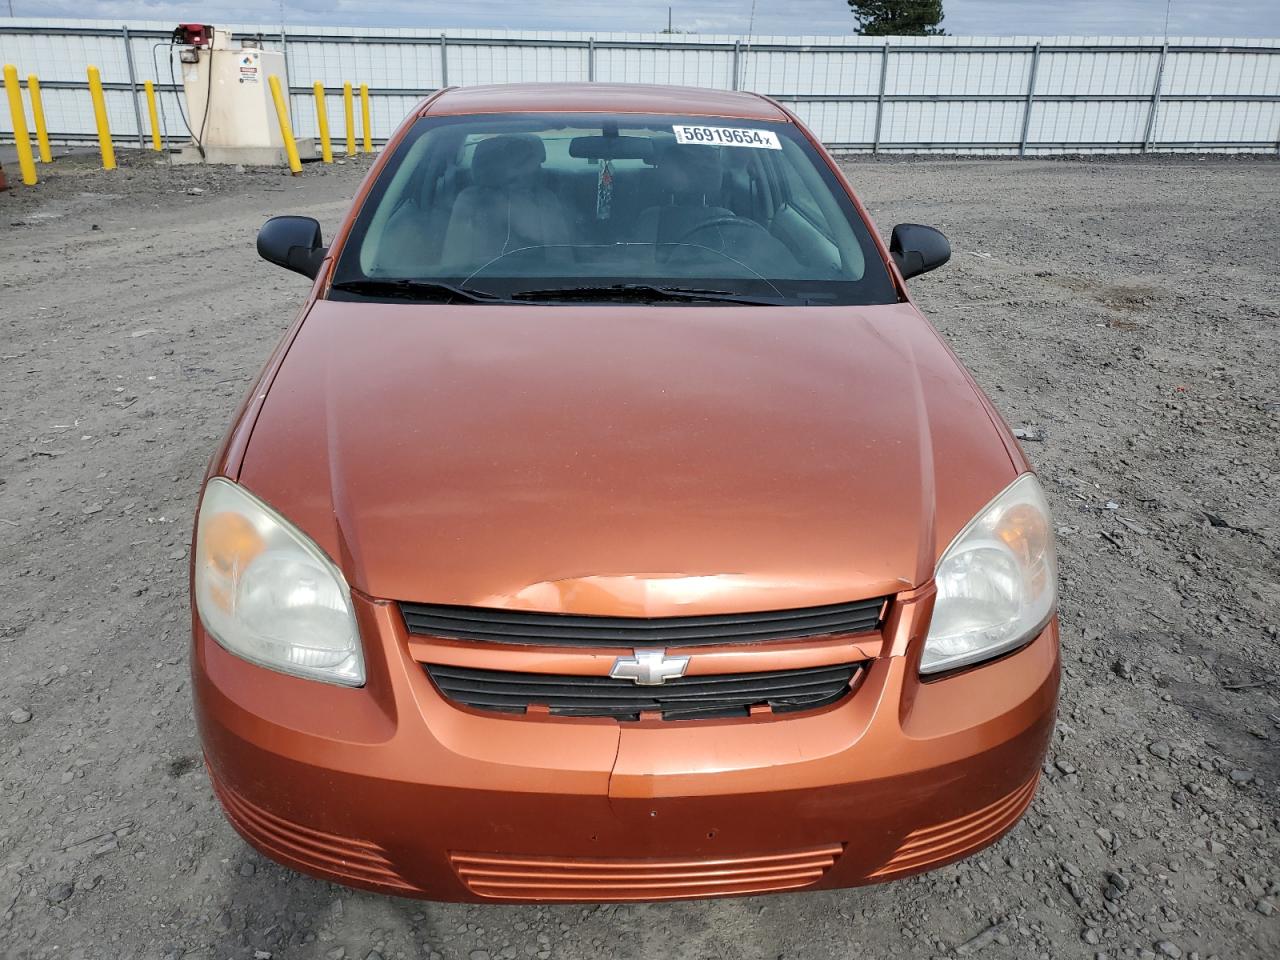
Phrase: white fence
pixel 1011 95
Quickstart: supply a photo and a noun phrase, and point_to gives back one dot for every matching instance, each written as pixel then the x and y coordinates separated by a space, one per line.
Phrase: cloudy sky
pixel 1223 18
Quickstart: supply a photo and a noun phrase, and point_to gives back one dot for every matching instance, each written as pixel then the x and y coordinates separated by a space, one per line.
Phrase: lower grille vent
pixel 357 862
pixel 930 846
pixel 687 698
pixel 510 877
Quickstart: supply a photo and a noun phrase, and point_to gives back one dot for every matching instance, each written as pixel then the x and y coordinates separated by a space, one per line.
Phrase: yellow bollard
pixel 349 106
pixel 100 117
pixel 364 118
pixel 286 128
pixel 26 165
pixel 322 119
pixel 150 89
pixel 37 114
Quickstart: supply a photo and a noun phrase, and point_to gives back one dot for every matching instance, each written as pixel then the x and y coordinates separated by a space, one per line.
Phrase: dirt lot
pixel 1123 312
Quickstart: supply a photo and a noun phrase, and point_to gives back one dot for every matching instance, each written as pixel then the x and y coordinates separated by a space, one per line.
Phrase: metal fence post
pixel 737 54
pixel 1155 100
pixel 133 85
pixel 288 83
pixel 884 79
pixel 1031 98
pixel 444 61
pixel 591 59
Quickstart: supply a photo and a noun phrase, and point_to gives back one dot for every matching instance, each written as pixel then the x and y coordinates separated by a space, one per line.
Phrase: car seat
pixel 505 209
pixel 689 178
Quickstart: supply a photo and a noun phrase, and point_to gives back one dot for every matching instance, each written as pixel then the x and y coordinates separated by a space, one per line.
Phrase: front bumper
pixel 392 788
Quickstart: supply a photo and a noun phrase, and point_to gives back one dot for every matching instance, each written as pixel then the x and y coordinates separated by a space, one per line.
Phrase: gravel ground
pixel 1123 313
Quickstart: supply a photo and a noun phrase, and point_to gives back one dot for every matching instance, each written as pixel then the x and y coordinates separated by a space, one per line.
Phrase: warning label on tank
pixel 249 69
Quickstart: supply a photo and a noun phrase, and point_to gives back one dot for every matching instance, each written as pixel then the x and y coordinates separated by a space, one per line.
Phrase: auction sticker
pixel 727 137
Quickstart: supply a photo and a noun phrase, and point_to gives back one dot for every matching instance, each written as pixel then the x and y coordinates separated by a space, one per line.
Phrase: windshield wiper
pixel 644 293
pixel 417 290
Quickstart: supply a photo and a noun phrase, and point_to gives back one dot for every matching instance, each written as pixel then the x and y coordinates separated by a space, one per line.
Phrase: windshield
pixel 620 207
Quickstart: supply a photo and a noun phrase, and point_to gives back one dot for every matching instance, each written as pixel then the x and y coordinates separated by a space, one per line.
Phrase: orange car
pixel 610 525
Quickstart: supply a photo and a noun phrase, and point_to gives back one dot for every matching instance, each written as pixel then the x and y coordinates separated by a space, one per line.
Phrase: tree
pixel 903 18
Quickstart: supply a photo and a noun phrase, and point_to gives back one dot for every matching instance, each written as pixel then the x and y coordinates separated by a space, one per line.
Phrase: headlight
pixel 267 593
pixel 997 582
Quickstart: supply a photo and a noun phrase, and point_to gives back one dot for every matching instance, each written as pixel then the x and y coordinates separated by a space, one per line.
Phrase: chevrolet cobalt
pixel 610 525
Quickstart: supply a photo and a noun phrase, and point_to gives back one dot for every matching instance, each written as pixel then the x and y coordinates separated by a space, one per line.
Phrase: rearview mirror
pixel 917 249
pixel 611 148
pixel 293 243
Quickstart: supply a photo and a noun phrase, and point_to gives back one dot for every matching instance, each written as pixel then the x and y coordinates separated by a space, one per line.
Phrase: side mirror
pixel 293 243
pixel 918 249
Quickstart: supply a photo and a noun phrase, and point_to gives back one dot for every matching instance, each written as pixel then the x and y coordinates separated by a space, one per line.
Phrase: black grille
pixel 560 629
pixel 688 698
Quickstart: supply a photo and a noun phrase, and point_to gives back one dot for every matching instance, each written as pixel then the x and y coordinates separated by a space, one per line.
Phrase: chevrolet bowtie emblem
pixel 649 668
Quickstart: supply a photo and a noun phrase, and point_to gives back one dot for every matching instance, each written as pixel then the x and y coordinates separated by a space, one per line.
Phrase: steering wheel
pixel 725 220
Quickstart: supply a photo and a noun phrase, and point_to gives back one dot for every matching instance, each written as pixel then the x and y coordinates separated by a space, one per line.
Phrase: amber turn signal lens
pixel 1025 531
pixel 227 546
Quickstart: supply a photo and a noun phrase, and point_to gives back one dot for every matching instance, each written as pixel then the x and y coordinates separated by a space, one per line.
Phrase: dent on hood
pixel 649 594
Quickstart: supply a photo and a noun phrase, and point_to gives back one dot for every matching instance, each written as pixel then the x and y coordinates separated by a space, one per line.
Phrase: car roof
pixel 603 98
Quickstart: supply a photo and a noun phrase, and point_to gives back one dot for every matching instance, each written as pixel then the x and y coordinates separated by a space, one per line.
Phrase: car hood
pixel 638 460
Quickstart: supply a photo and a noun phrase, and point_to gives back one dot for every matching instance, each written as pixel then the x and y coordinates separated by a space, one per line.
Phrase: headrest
pixel 506 159
pixel 691 170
